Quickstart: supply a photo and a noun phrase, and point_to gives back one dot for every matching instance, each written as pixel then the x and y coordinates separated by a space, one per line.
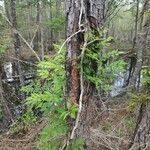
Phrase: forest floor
pixel 113 131
pixel 22 140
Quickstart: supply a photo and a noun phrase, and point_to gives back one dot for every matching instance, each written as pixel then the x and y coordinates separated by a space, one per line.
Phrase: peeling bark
pixel 73 45
pixel 89 13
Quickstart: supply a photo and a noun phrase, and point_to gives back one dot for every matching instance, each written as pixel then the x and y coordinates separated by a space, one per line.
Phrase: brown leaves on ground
pixel 26 142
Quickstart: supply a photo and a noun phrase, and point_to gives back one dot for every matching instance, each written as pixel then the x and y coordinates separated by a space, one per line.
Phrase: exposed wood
pixel 78 90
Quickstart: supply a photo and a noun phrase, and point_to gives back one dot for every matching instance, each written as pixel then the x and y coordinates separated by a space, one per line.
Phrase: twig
pixel 31 43
pixel 69 39
pixel 23 61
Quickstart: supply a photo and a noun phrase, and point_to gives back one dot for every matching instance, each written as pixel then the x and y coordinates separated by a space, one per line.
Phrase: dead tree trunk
pixel 81 15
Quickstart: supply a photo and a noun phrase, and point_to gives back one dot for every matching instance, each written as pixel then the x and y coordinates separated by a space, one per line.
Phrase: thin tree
pixel 17 43
pixel 143 123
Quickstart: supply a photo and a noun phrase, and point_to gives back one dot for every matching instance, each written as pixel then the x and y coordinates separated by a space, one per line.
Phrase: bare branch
pixel 23 39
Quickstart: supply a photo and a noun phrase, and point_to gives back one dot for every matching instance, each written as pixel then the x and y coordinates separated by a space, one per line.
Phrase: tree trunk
pixel 93 17
pixel 5 113
pixel 42 7
pixel 143 123
pixel 141 45
pixel 37 37
pixel 29 18
pixel 51 17
pixel 17 44
pixel 136 24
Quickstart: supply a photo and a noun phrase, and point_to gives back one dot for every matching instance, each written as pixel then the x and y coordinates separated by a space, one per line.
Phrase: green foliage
pixel 56 24
pixel 146 74
pixel 130 123
pixel 76 144
pixel 23 123
pixel 69 112
pixel 139 98
pixel 46 94
pixel 101 65
pixel 52 136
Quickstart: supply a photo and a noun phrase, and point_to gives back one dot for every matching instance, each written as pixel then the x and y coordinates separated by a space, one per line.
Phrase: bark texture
pixel 143 128
pixel 73 46
pixel 89 13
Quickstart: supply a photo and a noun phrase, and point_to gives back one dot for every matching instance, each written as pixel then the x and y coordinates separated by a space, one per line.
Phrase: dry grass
pixel 25 142
pixel 115 129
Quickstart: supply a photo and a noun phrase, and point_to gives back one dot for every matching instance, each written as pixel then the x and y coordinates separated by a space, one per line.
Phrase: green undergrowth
pixel 46 93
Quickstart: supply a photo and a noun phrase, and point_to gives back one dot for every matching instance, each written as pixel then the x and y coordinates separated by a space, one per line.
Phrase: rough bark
pixel 73 45
pixel 143 129
pixel 91 13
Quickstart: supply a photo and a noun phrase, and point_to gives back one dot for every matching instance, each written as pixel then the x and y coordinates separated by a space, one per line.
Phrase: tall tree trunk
pixel 143 124
pixel 58 7
pixel 133 58
pixel 51 17
pixel 81 12
pixel 42 7
pixel 17 44
pixel 141 45
pixel 29 18
pixel 142 14
pixel 37 37
pixel 136 24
